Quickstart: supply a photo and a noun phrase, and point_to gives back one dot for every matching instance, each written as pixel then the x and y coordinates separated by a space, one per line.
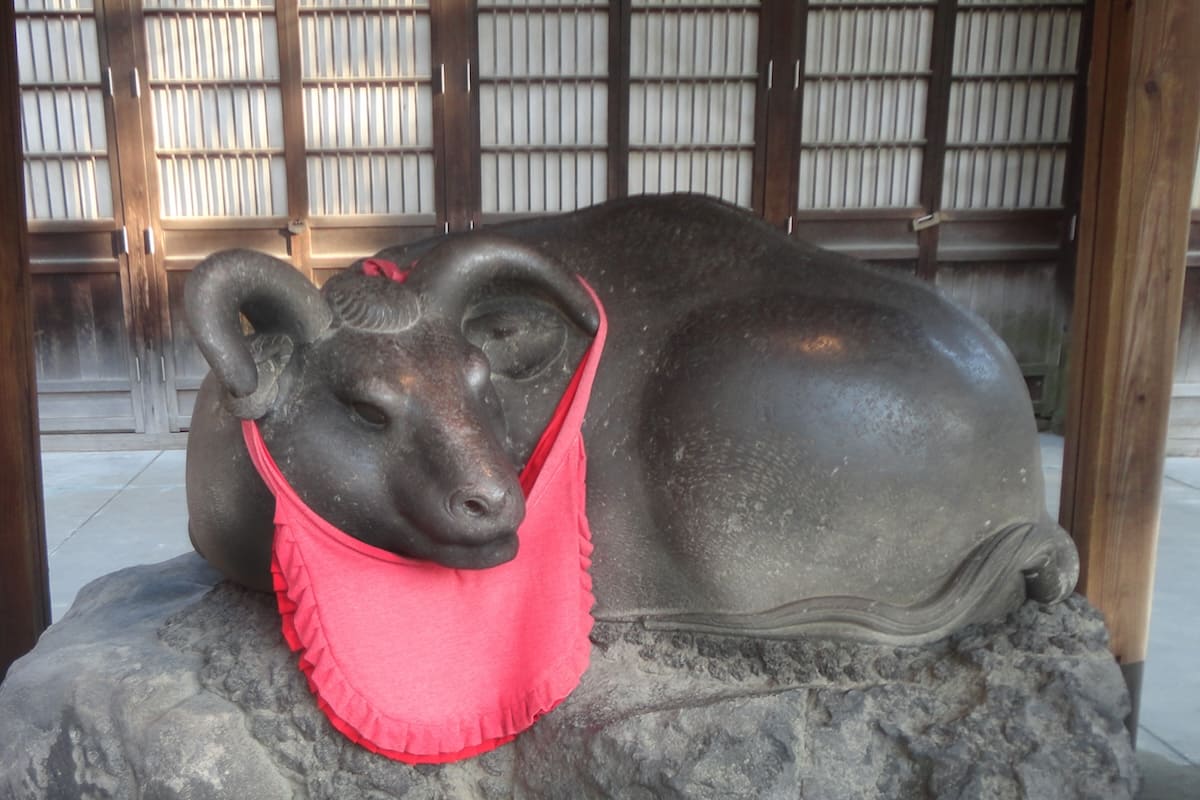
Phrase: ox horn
pixel 273 296
pixel 452 272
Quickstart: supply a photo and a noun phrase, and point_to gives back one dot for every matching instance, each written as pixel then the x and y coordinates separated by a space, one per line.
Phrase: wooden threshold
pixel 104 442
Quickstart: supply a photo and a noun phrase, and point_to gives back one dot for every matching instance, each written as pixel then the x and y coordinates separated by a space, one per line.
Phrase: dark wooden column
pixel 782 31
pixel 937 112
pixel 291 89
pixel 24 587
pixel 455 50
pixel 619 13
pixel 1142 123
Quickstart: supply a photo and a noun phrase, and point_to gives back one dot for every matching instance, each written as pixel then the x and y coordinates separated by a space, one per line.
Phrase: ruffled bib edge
pixel 351 714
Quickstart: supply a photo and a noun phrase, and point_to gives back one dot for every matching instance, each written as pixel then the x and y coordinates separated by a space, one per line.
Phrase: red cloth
pixel 377 266
pixel 424 663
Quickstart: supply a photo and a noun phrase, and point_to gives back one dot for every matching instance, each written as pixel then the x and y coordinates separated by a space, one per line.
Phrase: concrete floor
pixel 105 511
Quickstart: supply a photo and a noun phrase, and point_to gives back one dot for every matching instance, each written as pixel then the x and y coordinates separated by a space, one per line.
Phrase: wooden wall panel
pixel 80 328
pixel 82 352
pixel 1187 359
pixel 1022 304
pixel 1183 424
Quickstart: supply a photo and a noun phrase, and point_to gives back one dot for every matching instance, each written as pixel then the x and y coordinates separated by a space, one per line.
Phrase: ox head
pixel 378 399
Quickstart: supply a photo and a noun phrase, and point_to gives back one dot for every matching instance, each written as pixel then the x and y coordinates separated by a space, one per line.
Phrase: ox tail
pixel 1037 561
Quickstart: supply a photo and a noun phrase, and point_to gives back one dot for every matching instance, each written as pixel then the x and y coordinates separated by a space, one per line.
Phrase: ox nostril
pixel 478 503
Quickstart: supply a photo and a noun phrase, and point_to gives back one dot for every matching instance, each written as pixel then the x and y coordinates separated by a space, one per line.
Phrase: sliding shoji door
pixel 305 130
pixel 862 142
pixel 83 314
pixel 368 116
pixel 215 147
pixel 585 101
pixel 1003 205
pixel 693 88
pixel 543 106
pixel 936 136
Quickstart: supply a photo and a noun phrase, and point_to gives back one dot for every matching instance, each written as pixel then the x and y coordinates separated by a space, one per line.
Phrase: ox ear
pixel 521 338
pixel 533 350
pixel 282 307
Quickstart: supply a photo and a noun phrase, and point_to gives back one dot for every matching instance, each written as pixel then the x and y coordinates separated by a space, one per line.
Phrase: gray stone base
pixel 159 685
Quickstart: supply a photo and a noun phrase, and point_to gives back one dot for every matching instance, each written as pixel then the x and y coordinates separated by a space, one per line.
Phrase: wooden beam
pixel 1143 120
pixel 24 585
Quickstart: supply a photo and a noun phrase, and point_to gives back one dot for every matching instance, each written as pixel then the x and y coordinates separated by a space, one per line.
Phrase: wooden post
pixel 24 587
pixel 782 28
pixel 1142 123
pixel 455 53
pixel 619 14
pixel 937 115
pixel 291 90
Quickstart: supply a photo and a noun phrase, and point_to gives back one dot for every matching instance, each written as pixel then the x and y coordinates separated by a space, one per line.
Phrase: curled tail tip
pixel 1051 575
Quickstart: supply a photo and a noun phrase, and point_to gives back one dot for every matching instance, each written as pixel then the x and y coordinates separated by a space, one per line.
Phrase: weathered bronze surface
pixel 781 440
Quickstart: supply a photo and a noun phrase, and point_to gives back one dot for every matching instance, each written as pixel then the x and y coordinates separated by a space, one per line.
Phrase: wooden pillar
pixel 24 588
pixel 1143 117
pixel 455 51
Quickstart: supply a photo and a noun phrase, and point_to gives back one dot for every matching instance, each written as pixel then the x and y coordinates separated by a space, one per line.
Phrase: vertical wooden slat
pixel 456 112
pixel 291 87
pixel 1143 124
pixel 468 38
pixel 542 73
pixel 1072 199
pixel 618 98
pixel 937 107
pixel 24 583
pixel 764 148
pixel 777 116
pixel 124 27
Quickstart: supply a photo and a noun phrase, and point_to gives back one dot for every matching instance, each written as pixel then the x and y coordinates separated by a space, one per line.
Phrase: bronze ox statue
pixel 781 440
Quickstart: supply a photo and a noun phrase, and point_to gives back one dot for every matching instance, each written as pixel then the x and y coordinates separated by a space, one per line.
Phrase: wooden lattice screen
pixel 866 86
pixel 368 109
pixel 67 167
pixel 932 136
pixel 693 80
pixel 543 98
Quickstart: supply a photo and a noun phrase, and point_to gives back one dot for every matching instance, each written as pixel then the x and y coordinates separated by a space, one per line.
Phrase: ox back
pixel 783 440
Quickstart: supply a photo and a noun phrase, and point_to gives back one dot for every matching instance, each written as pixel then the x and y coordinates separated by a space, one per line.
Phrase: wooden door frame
pixel 97 246
pixel 24 580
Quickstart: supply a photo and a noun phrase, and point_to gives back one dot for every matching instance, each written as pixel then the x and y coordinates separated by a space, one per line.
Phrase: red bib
pixel 428 664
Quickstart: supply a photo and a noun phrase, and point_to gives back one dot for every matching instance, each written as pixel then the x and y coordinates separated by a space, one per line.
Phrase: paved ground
pixel 105 511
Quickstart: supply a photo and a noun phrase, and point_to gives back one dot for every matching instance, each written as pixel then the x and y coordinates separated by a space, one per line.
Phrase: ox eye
pixel 371 415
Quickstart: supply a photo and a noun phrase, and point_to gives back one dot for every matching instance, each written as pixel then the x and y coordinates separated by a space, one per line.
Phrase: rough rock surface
pixel 163 683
